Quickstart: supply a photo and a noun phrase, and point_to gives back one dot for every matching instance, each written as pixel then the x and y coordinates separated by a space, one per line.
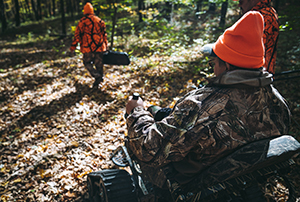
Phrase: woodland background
pixel 55 129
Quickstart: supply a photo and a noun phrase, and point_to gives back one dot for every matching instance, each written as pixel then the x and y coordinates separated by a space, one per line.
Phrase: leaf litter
pixel 55 129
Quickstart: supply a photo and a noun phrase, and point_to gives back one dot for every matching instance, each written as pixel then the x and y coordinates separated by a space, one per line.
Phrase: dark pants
pixel 91 59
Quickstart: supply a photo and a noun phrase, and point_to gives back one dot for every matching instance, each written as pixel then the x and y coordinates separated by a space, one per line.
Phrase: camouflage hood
pixel 245 77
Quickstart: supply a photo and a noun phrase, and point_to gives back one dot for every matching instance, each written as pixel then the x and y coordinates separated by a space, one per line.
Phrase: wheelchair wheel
pixel 111 185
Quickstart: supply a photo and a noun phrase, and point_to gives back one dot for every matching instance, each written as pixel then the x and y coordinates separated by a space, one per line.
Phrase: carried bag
pixel 115 58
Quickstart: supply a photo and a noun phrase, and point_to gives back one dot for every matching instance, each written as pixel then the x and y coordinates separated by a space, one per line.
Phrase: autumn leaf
pixel 17 180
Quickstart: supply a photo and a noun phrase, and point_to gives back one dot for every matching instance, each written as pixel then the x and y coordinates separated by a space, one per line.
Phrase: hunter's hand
pixel 131 104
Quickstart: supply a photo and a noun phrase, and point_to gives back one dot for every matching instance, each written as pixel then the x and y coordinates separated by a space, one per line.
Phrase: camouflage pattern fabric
pixel 91 34
pixel 207 124
pixel 271 32
pixel 242 167
pixel 249 158
pixel 91 59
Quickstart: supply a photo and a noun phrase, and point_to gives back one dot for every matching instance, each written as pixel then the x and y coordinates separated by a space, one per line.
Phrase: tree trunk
pixel 199 5
pixel 78 6
pixel 78 9
pixel 140 8
pixel 167 10
pixel 44 10
pixel 17 16
pixel 70 8
pixel 49 8
pixel 39 9
pixel 223 13
pixel 74 2
pixel 172 13
pixel 212 7
pixel 2 16
pixel 53 7
pixel 63 19
pixel 34 10
pixel 113 27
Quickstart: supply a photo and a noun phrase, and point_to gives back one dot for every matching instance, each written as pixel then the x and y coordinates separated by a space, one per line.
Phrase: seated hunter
pixel 238 106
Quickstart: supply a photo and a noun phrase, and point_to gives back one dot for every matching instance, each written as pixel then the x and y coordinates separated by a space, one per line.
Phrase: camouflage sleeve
pixel 170 139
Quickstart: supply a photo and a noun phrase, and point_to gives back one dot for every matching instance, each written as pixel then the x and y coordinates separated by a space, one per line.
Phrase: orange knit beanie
pixel 242 44
pixel 88 9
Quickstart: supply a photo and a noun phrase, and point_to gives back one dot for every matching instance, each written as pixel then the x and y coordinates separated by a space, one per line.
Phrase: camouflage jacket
pixel 91 34
pixel 236 108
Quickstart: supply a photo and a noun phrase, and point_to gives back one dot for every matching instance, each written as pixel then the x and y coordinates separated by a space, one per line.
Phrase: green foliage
pixel 289 39
pixel 183 2
pixel 17 130
pixel 284 27
pixel 30 37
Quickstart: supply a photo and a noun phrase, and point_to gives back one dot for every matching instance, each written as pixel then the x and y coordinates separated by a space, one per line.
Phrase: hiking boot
pixel 97 81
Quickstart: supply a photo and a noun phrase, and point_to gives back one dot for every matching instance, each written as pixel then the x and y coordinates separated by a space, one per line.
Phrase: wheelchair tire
pixel 111 185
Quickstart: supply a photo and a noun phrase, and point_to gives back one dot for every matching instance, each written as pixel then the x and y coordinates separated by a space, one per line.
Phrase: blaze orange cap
pixel 88 9
pixel 242 44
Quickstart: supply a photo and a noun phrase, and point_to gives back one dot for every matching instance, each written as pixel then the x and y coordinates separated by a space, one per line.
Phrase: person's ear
pixel 227 66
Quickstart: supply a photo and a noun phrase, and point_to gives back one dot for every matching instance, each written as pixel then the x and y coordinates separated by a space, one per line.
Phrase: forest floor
pixel 55 129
